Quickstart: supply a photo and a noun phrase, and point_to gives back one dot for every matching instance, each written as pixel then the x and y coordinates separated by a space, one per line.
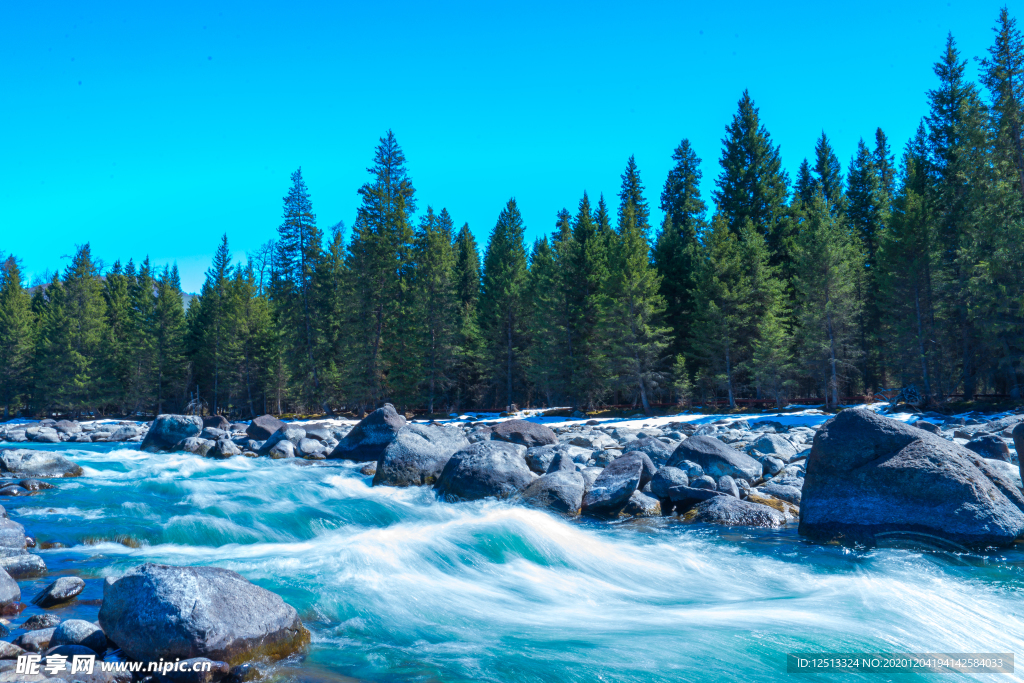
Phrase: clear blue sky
pixel 152 128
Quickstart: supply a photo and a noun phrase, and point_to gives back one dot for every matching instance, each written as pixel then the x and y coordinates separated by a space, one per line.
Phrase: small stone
pixel 35 641
pixel 80 632
pixel 40 621
pixel 23 566
pixel 369 469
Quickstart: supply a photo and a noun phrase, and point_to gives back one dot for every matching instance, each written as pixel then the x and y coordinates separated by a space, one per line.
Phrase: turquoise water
pixel 396 586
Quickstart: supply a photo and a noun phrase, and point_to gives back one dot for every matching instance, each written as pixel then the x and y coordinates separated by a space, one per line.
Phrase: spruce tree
pixel 828 174
pixel 638 342
pixel 752 184
pixel 121 331
pixel 828 270
pixel 502 306
pixel 547 362
pixel 378 267
pixel 677 247
pixel 588 272
pixel 168 340
pixel 17 337
pixel 436 305
pixel 299 250
pixel 333 316
pixel 469 364
pixel 957 147
pixel 805 185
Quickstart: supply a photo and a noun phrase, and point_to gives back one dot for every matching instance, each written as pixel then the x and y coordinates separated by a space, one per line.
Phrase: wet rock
pixel 34 641
pixel 991 447
pixel 67 427
pixel 263 427
pixel 194 444
pixel 996 426
pixel 10 594
pixel 483 469
pixel 45 435
pixel 159 611
pixel 12 534
pixel 23 566
pixel 224 448
pixel 928 426
pixel 214 434
pixel 371 436
pixel 525 433
pixel 704 482
pixel 561 491
pixel 281 450
pixel 684 497
pixel 594 441
pixel 126 433
pixel 716 459
pixel 612 489
pixel 80 632
pixel 40 621
pixel 307 447
pixel 790 511
pixel 167 431
pixel 728 485
pixel 64 589
pixel 539 458
pixel 35 485
pixel 731 511
pixel 642 505
pixel 1018 445
pixel 869 475
pixel 21 462
pixel 13 490
pixel 418 454
pixel 369 469
pixel 666 478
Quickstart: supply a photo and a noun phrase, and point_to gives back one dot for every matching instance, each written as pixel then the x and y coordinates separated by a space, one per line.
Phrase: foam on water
pixel 397 586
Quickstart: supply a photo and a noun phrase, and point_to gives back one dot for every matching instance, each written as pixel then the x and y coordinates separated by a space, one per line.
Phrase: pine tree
pixel 211 346
pixel 806 185
pixel 299 250
pixel 828 175
pixel 142 292
pixel 885 165
pixel 121 331
pixel 436 305
pixel 547 360
pixel 469 364
pixel 333 316
pixel 957 145
pixel 677 247
pixel 632 191
pixel 378 264
pixel 588 272
pixel 828 270
pixel 502 305
pixel 753 184
pixel 17 337
pixel 168 339
pixel 1002 73
pixel 638 342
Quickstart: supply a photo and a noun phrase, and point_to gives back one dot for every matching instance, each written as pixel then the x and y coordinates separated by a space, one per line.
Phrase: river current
pixel 396 586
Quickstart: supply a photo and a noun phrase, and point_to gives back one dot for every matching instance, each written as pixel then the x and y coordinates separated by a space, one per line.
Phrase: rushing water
pixel 396 586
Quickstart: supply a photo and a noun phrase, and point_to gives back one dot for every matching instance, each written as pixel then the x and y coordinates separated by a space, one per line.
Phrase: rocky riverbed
pixel 395 541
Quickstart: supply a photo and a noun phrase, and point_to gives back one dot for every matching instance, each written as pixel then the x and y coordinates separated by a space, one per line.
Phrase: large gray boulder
pixel 291 433
pixel 168 430
pixel 67 427
pixel 159 611
pixel 21 462
pixel 614 486
pixel 522 432
pixel 869 476
pixel 666 478
pixel 561 491
pixel 484 469
pixel 418 455
pixel 262 427
pixel 717 459
pixel 656 450
pixel 731 511
pixel 10 594
pixel 368 439
pixel 996 426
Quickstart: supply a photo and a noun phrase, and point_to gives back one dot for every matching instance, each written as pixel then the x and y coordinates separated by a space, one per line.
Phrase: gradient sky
pixel 152 128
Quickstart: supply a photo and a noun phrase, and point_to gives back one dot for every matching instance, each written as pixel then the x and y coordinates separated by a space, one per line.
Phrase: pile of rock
pixel 600 471
pixel 211 618
pixel 215 437
pixel 59 431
